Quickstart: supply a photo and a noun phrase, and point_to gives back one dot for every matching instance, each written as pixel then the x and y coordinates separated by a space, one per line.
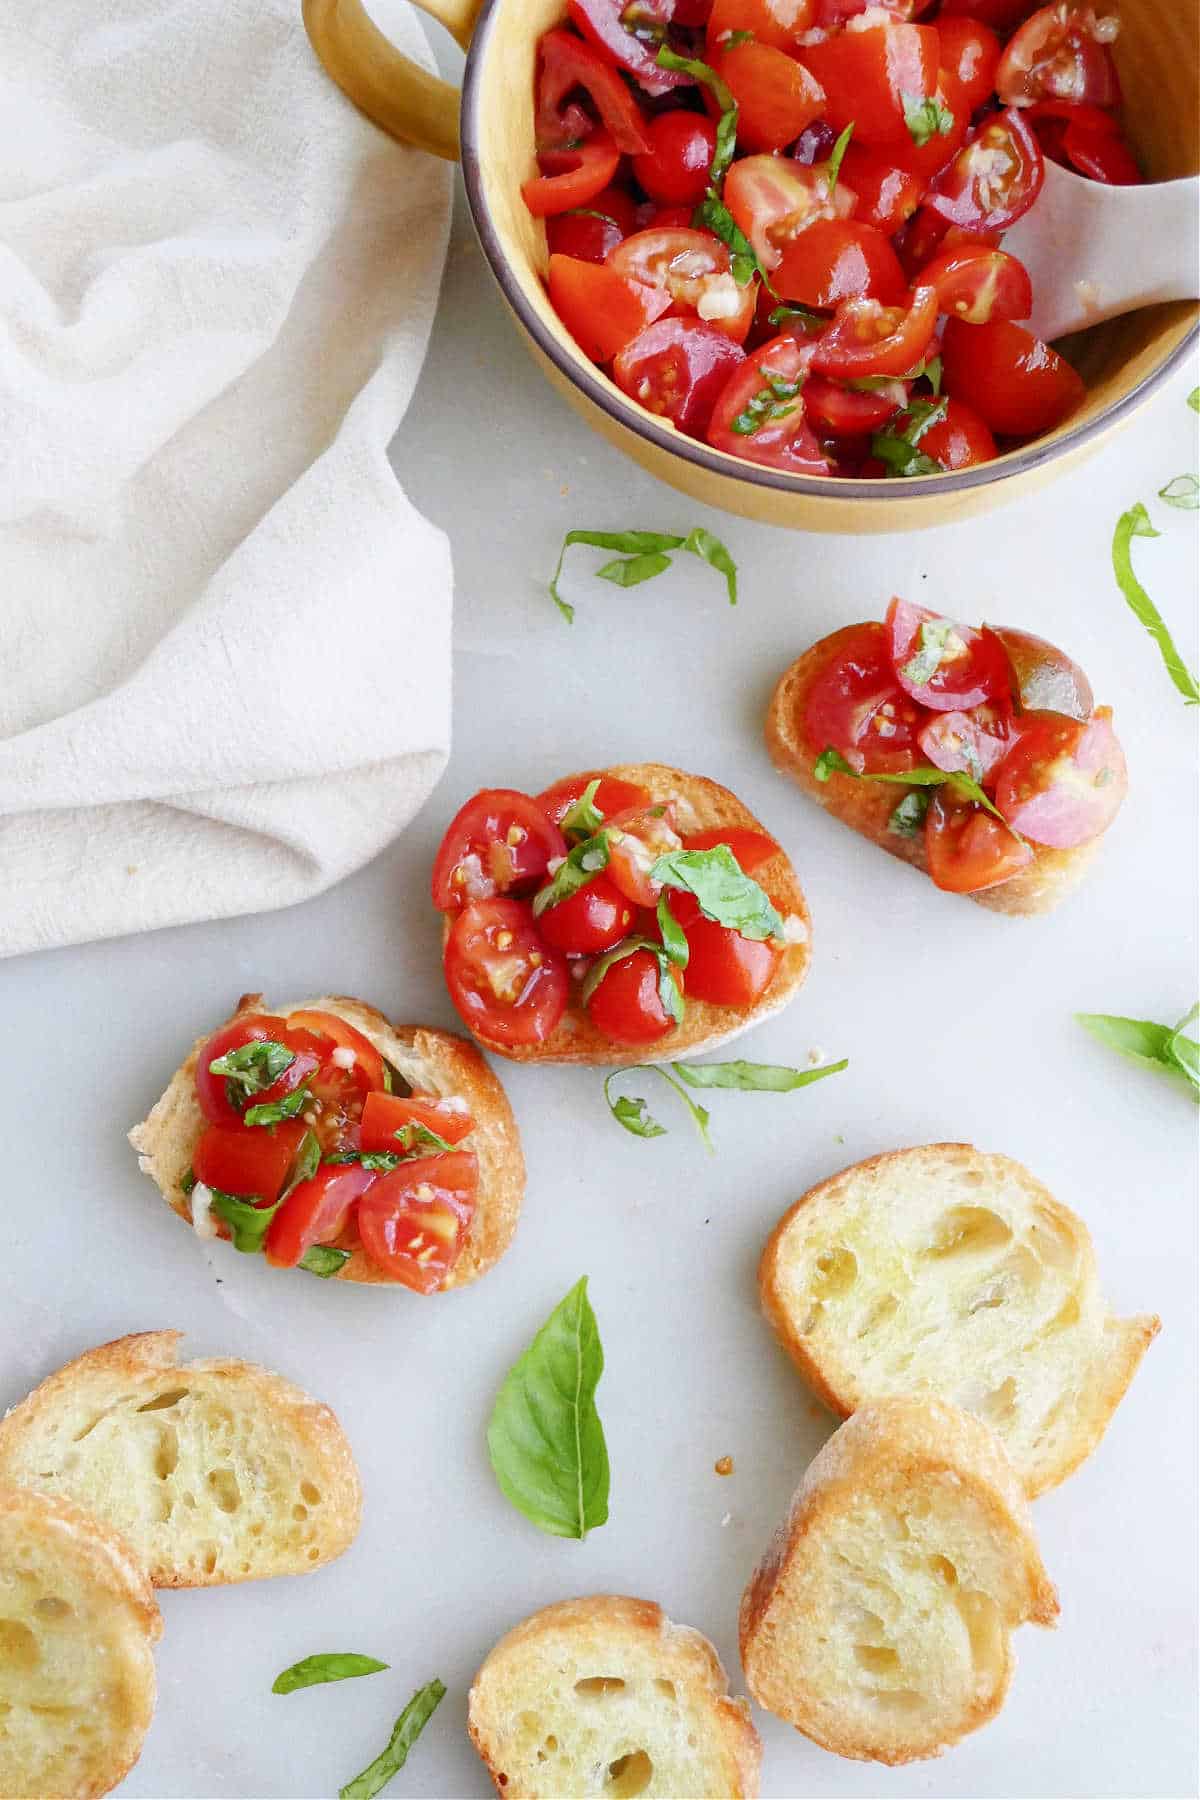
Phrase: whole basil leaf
pixel 323 1260
pixel 1159 1047
pixel 247 1221
pixel 330 1665
pixel 545 1439
pixel 716 880
pixel 405 1732
pixel 763 1078
pixel 1131 524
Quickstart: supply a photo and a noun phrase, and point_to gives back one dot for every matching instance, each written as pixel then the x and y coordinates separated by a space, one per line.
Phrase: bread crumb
pixel 131 868
pixel 727 1518
pixel 723 1466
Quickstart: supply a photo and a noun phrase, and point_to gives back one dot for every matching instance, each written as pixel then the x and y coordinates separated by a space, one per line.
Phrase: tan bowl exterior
pixel 1122 362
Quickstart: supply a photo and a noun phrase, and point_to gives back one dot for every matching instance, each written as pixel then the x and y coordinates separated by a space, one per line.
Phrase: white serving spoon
pixel 1094 251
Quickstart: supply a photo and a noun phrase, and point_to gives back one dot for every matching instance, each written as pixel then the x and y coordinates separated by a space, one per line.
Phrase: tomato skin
pixel 344 1036
pixel 974 666
pixel 590 239
pixel 723 967
pixel 612 796
pixel 690 268
pixel 315 1212
pixel 784 442
pixel 778 23
pixel 927 160
pixel 1061 53
pixel 1044 677
pixel 504 979
pixel 677 369
pixel 833 260
pixel 1019 386
pixel 966 849
pixel 772 199
pixel 1063 781
pixel 636 840
pixel 865 73
pixel 974 742
pixel 211 1092
pixel 626 1005
pixel 386 1114
pixel 750 848
pixel 412 1220
pixel 594 918
pixel 972 194
pixel 249 1160
pixel 500 841
pixel 673 169
pixel 960 439
pixel 1001 16
pixel 776 95
pixel 975 285
pixel 600 23
pixel 600 308
pixel 578 176
pixel 868 338
pixel 843 412
pixel 1101 155
pixel 856 704
pixel 971 53
pixel 566 62
pixel 888 195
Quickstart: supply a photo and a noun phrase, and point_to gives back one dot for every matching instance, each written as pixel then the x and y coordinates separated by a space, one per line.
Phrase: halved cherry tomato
pixel 868 338
pixel 636 840
pixel 1061 53
pixel 968 850
pixel 385 1117
pixel 590 232
pixel 677 369
pixel 673 168
pixel 772 198
pixel 212 1090
pixel 594 918
pixel 504 979
pixel 994 179
pixel 974 742
pixel 626 1006
pixel 952 115
pixel 1100 155
pixel 927 233
pixel 776 95
pixel 846 413
pixel 249 1160
pixel 566 62
pixel 856 704
pixel 1045 679
pixel 574 177
pixel 959 439
pixel 499 842
pixel 1019 386
pixel 869 76
pixel 612 796
pixel 944 666
pixel 975 284
pixel 1001 16
pixel 653 217
pixel 760 414
pixel 833 260
pixel 600 308
pixel 412 1220
pixel 1063 781
pixel 344 1037
pixel 690 269
pixel 612 25
pixel 750 848
pixel 971 53
pixel 723 967
pixel 315 1212
pixel 887 194
pixel 775 22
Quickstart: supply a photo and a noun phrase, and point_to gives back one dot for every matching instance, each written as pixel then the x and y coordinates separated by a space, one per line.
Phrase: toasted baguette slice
pixel 606 1696
pixel 78 1623
pixel 866 806
pixel 950 1272
pixel 701 805
pixel 211 1471
pixel 433 1062
pixel 878 1622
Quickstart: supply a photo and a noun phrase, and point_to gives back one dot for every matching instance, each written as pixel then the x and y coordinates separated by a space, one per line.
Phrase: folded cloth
pixel 224 631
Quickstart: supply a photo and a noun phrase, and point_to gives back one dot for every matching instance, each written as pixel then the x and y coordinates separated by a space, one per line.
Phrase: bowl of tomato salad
pixel 759 243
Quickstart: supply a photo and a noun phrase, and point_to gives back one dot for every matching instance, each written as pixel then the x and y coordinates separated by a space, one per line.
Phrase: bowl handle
pixel 406 102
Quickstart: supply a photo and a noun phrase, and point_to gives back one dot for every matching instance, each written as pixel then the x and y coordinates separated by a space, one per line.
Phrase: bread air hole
pixel 209 1563
pixel 968 1231
pixel 884 1308
pixel 985 1632
pixel 19 1651
pixel 161 1402
pixel 665 1687
pixel 51 1607
pixel 599 1687
pixel 835 1274
pixel 877 1659
pixel 310 1493
pixel 1000 1406
pixel 166 1456
pixel 945 1569
pixel 629 1775
pixel 226 1492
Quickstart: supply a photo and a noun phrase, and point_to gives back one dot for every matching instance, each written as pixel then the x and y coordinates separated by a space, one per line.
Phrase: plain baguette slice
pixel 605 1695
pixel 78 1623
pixel 701 805
pixel 866 806
pixel 947 1271
pixel 434 1062
pixel 878 1622
pixel 211 1471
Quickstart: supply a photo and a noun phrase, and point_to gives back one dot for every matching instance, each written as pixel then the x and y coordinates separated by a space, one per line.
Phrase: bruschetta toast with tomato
pixel 330 1140
pixel 976 754
pixel 625 915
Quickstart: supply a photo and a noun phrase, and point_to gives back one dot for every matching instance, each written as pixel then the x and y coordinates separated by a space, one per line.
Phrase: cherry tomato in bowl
pixel 677 369
pixel 959 439
pixel 760 413
pixel 1017 384
pixel 994 179
pixel 601 308
pixel 1061 53
pixel 868 338
pixel 589 232
pixel 970 51
pixel 870 77
pixel 975 284
pixel 776 95
pixel 691 271
pixel 674 167
pixel 833 260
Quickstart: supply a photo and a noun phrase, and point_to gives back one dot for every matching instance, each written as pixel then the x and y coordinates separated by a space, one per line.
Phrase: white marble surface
pixel 958 1024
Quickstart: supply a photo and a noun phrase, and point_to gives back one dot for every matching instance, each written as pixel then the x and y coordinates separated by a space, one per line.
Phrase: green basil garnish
pixel 644 549
pixel 247 1221
pixel 274 1111
pixel 933 648
pixel 333 1665
pixel 324 1260
pixel 713 215
pixel 585 818
pixel 1164 1048
pixel 305 1165
pixel 1183 491
pixel 835 159
pixel 187 1181
pixel 252 1067
pixel 1131 524
pixel 727 123
pixel 832 761
pixel 775 400
pixel 716 880
pixel 812 321
pixel 752 1077
pixel 583 861
pixel 414 1140
pixel 405 1732
pixel 631 1111
pixel 908 817
pixel 926 118
pixel 668 985
pixel 545 1438
pixel 674 942
pixel 896 446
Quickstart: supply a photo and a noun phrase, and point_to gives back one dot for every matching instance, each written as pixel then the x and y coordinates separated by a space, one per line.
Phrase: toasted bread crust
pixel 434 1061
pixel 703 805
pixel 866 806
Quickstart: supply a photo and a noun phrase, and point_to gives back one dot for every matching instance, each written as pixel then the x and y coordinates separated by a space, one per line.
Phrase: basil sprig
pixel 726 141
pixel 896 447
pixel 405 1732
pixel 646 554
pixel 1164 1048
pixel 831 762
pixel 330 1665
pixel 1131 524
pixel 713 215
pixel 723 891
pixel 253 1066
pixel 631 1111
pixel 926 118
pixel 274 1111
pixel 545 1439
pixel 1183 492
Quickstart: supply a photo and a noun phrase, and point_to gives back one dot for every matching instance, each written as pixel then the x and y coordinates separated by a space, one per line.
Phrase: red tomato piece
pixel 845 413
pixel 594 918
pixel 856 704
pixel 772 199
pixel 959 439
pixel 674 166
pixel 499 842
pixel 315 1212
pixel 971 53
pixel 576 176
pixel 1063 781
pixel 590 232
pixel 941 144
pixel 927 232
pixel 750 848
pixel 651 217
pixel 1100 155
pixel 212 1090
pixel 974 742
pixel 249 1160
pixel 1001 16
pixel 504 979
pixel 387 1117
pixel 723 967
pixel 760 414
pixel 1044 677
pixel 636 840
pixel 775 22
pixel 1018 385
pixel 945 666
pixel 868 338
pixel 412 1220
pixel 887 194
pixel 690 269
pixel 968 850
pixel 612 796
pixel 776 95
pixel 602 310
pixel 677 369
pixel 976 284
pixel 610 26
pixel 1061 53
pixel 994 179
pixel 833 260
pixel 566 62
pixel 345 1037
pixel 869 75
pixel 626 1006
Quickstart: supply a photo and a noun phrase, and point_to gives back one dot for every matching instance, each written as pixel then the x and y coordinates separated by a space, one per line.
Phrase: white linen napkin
pixel 224 632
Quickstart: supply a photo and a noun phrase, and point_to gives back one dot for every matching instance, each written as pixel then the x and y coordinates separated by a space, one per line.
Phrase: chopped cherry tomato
pixel 1061 53
pixel 760 414
pixel 693 14
pixel 843 412
pixel 833 260
pixel 499 842
pixel 941 145
pixel 1001 16
pixel 975 284
pixel 602 310
pixel 212 1090
pixel 974 742
pixel 315 1212
pixel 652 217
pixel 1045 679
pixel 971 53
pixel 504 979
pixel 856 704
pixel 968 850
pixel 775 22
pixel 674 166
pixel 750 848
pixel 357 1048
pixel 677 369
pixel 626 1006
pixel 870 76
pixel 815 144
pixel 944 666
pixel 994 179
pixel 608 24
pixel 412 1220
pixel 690 269
pixel 887 194
pixel 249 1160
pixel 385 1116
pixel 772 198
pixel 590 232
pixel 1018 385
pixel 636 840
pixel 575 176
pixel 868 338
pixel 776 96
pixel 1100 155
pixel 959 439
pixel 612 796
pixel 594 918
pixel 566 62
pixel 927 232
pixel 1063 781
pixel 723 967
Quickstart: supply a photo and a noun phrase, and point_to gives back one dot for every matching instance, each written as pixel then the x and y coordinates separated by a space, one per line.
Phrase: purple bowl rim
pixel 713 462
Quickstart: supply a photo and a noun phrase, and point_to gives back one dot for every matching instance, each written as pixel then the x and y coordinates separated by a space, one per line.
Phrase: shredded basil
pixel 727 123
pixel 631 1111
pixel 187 1181
pixel 247 1220
pixel 1131 524
pixel 253 1066
pixel 835 159
pixel 631 571
pixel 674 942
pixel 776 400
pixel 331 1665
pixel 933 649
pixel 896 446
pixel 632 1114
pixel 274 1111
pixel 811 321
pixel 832 761
pixel 926 118
pixel 725 893
pixel 669 991
pixel 304 1165
pixel 405 1732
pixel 908 817
pixel 415 1138
pixel 324 1260
pixel 1161 1047
pixel 582 861
pixel 647 556
pixel 583 819
pixel 713 215
pixel 1183 491
pixel 1193 399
